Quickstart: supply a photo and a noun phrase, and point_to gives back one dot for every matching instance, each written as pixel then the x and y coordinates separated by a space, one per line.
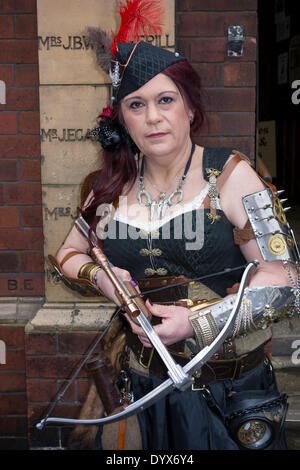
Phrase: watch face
pixel 254 433
pixel 277 245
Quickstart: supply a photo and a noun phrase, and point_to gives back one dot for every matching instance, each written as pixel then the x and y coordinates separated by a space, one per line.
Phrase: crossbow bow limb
pixel 180 377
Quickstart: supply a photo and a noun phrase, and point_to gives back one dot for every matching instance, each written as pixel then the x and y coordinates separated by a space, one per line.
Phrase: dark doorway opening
pixel 278 107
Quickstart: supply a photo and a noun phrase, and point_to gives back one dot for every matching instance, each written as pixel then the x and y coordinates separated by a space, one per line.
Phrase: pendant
pixel 145 193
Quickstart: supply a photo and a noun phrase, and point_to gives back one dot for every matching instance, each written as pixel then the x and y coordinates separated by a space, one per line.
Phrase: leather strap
pixel 68 256
pixel 213 370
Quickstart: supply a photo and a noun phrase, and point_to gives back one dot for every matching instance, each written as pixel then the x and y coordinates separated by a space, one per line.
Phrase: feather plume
pixel 102 43
pixel 138 17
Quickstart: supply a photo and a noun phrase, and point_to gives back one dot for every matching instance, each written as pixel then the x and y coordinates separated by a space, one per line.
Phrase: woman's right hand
pixel 106 286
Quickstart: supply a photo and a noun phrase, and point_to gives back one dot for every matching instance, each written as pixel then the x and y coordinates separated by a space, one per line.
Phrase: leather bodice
pixel 201 248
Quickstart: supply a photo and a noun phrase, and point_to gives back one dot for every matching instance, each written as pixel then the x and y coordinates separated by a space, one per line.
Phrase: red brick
pixel 230 99
pixel 22 99
pixel 32 262
pixel 17 239
pixel 18 6
pixel 83 387
pixel 215 50
pixel 20 147
pixel 27 75
pixel 40 343
pixel 8 170
pixel 9 217
pixel 22 285
pixel 41 390
pixel 211 125
pixel 30 123
pixel 15 360
pixel 7 74
pixel 23 193
pixel 223 5
pixel 26 26
pixel 13 336
pixel 53 366
pixel 211 74
pixel 2 195
pixel 14 426
pixel 238 124
pixel 6 27
pixel 12 382
pixel 17 51
pixel 70 394
pixel 76 343
pixel 215 24
pixel 47 390
pixel 31 216
pixel 8 123
pixel 208 50
pixel 245 145
pixel 240 74
pixel 12 404
pixel 37 412
pixel 30 170
pixel 9 263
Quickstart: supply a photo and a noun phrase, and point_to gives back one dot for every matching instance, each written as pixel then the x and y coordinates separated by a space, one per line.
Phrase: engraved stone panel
pixel 67 115
pixel 64 54
pixel 73 91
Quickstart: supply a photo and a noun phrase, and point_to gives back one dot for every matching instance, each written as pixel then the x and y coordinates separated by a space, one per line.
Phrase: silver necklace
pixel 164 202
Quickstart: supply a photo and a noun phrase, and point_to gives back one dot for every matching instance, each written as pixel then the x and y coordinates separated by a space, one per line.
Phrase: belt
pixel 144 360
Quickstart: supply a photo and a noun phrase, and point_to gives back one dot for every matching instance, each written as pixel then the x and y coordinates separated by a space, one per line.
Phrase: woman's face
pixel 157 118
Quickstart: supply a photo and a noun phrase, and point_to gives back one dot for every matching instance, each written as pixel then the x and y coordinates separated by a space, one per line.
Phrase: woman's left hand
pixel 174 326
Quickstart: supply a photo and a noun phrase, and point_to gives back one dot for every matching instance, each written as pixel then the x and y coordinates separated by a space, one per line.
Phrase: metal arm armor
pixel 261 306
pixel 274 236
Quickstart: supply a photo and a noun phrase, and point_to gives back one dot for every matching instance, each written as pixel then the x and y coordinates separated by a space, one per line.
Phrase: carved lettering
pixel 65 135
pixel 13 284
pixel 81 43
pixel 58 212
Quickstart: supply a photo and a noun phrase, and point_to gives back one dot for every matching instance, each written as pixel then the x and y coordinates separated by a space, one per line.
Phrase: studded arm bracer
pixel 261 306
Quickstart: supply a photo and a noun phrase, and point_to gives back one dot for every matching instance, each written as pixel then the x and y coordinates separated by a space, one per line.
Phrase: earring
pixel 191 119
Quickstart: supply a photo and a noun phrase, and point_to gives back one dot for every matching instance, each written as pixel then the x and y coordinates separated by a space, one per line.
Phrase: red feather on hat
pixel 138 18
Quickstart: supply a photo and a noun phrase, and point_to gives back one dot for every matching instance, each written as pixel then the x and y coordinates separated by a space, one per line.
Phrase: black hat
pixel 136 64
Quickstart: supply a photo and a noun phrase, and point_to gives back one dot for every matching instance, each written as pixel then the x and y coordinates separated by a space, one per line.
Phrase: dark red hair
pixel 120 168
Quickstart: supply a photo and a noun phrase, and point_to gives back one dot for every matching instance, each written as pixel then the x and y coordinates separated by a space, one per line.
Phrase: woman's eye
pixel 166 100
pixel 135 105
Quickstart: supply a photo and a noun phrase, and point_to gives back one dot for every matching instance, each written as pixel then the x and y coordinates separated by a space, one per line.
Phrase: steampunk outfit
pixel 234 402
pixel 198 418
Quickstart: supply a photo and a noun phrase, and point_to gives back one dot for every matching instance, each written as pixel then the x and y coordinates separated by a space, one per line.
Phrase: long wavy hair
pixel 121 168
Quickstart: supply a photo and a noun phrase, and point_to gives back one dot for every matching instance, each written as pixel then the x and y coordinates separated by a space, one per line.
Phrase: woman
pixel 156 113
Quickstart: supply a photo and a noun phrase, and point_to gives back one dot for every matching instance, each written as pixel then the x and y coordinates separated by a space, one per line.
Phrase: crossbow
pixel 180 377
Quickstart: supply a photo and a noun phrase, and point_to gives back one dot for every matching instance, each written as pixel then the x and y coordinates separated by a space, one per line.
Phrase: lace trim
pixel 196 203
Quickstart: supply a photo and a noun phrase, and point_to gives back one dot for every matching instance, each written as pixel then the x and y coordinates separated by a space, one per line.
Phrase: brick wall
pixel 13 402
pixel 38 366
pixel 51 359
pixel 21 235
pixel 229 83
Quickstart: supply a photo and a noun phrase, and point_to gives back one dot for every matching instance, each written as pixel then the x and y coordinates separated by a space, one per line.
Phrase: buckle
pixel 197 389
pixel 146 366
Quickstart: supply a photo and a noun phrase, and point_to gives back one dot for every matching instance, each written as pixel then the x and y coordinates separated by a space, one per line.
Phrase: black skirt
pixel 186 421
